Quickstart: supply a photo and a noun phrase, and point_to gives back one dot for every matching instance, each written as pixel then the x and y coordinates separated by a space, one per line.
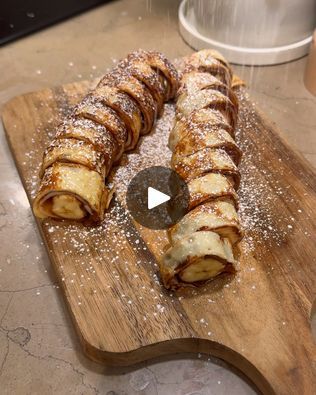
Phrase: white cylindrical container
pixel 250 31
pixel 256 23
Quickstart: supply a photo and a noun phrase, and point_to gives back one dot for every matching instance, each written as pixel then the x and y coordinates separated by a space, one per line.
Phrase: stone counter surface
pixel 39 350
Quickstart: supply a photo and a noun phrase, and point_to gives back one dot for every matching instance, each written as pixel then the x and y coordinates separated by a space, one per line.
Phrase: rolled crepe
pixel 196 81
pixel 75 151
pixel 71 191
pixel 205 155
pixel 207 98
pixel 205 56
pixel 196 259
pixel 91 132
pixel 107 122
pixel 94 110
pixel 210 187
pixel 126 109
pixel 166 72
pixel 141 70
pixel 216 138
pixel 127 83
pixel 219 216
pixel 201 120
pixel 212 62
pixel 205 161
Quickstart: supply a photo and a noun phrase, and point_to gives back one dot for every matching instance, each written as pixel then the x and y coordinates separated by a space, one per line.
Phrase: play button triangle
pixel 155 197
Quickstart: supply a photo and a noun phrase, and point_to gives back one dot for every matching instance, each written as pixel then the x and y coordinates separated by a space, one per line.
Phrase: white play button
pixel 155 197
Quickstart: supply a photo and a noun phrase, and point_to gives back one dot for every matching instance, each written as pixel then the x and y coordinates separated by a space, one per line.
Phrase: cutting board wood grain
pixel 258 320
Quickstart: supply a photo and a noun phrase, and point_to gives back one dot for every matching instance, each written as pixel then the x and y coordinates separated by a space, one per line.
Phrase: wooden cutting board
pixel 258 321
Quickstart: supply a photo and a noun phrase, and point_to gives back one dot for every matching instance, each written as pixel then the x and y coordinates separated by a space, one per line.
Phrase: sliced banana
pixel 201 270
pixel 67 206
pixel 71 191
pixel 205 250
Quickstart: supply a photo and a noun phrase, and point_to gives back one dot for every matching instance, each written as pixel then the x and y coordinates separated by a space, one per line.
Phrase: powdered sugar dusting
pixel 117 252
pixel 260 190
pixel 256 192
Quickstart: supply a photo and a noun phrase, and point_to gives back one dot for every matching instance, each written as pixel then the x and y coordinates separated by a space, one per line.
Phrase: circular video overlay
pixel 157 197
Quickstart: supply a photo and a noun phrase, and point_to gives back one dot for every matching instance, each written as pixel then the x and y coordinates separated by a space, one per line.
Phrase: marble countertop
pixel 39 350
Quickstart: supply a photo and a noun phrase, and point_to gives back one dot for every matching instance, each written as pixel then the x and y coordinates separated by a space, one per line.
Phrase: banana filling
pixel 201 270
pixel 68 207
